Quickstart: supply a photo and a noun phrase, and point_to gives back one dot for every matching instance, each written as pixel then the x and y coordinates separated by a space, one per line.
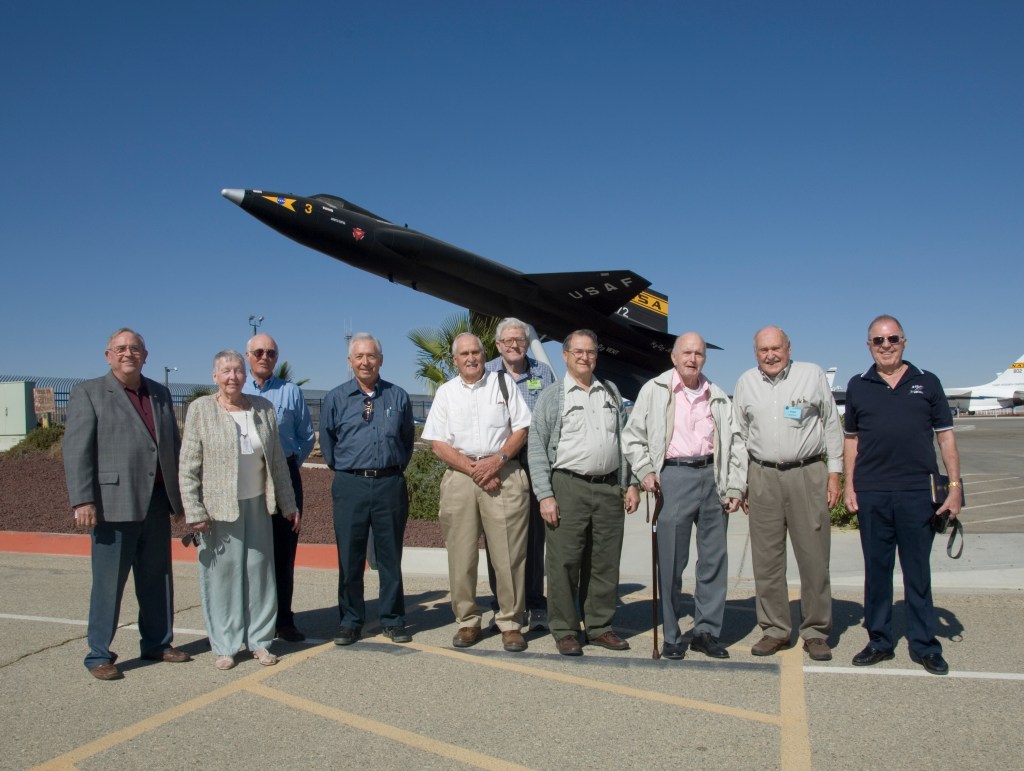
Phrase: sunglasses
pixel 891 339
pixel 259 353
pixel 367 409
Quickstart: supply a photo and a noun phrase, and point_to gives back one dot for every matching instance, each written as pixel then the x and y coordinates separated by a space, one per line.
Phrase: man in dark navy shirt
pixel 892 413
pixel 366 437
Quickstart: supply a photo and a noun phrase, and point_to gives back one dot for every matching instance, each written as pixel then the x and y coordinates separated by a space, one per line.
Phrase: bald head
pixel 688 356
pixel 261 353
pixel 772 349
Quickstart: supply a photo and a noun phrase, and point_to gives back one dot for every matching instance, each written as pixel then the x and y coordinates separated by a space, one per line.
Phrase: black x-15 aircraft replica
pixel 630 320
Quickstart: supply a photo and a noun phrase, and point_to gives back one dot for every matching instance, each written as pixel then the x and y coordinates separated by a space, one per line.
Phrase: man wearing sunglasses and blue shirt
pixel 895 413
pixel 366 437
pixel 295 428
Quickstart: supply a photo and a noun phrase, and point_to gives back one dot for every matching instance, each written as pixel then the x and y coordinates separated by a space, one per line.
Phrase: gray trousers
pixel 236 580
pixel 691 497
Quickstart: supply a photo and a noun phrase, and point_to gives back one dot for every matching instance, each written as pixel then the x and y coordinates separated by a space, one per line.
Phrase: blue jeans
pixel 143 548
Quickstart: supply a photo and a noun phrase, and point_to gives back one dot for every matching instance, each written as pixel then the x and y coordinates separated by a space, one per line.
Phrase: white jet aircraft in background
pixel 1007 390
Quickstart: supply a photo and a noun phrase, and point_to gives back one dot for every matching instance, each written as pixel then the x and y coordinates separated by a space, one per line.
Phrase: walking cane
pixel 654 561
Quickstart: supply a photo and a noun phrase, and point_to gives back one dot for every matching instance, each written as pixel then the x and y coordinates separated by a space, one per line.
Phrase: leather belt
pixel 374 473
pixel 701 462
pixel 786 466
pixel 604 479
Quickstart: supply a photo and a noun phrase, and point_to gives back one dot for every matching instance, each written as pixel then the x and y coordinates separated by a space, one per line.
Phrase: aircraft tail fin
pixel 830 376
pixel 1012 374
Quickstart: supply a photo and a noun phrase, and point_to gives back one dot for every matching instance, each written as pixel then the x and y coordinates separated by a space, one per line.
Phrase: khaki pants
pixel 467 511
pixel 793 501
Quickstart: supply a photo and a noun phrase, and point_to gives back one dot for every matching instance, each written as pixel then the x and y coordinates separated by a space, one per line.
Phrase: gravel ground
pixel 33 498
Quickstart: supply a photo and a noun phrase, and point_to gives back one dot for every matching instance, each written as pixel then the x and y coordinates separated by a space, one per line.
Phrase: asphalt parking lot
pixel 382 705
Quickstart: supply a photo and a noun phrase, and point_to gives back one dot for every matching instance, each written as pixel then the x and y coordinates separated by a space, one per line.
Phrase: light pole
pixel 255 322
pixel 167 375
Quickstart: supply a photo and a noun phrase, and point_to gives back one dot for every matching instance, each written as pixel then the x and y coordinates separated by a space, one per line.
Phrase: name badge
pixel 534 384
pixel 793 412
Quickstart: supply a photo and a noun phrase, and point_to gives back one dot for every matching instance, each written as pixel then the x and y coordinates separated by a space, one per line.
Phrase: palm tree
pixel 284 372
pixel 434 364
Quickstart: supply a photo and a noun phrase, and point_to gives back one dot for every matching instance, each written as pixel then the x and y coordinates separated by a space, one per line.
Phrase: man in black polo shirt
pixel 892 412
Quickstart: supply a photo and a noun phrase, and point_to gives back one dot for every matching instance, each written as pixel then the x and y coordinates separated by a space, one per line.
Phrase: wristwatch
pixel 954 484
pixel 503 456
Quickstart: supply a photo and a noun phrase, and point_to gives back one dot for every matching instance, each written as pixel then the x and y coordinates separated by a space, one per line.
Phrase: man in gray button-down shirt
pixel 789 422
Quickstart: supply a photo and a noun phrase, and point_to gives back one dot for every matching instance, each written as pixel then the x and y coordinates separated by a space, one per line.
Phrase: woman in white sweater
pixel 233 477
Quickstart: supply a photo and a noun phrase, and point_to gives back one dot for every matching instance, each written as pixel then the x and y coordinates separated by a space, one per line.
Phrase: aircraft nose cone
pixel 233 194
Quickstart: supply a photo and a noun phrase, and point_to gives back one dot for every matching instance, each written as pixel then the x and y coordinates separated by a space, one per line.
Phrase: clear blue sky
pixel 805 164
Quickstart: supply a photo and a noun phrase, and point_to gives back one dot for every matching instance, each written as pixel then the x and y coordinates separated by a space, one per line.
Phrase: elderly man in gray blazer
pixel 121 447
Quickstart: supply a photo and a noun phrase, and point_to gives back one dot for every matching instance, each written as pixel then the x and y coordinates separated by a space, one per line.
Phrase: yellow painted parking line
pixel 104 743
pixel 796 738
pixel 417 741
pixel 597 685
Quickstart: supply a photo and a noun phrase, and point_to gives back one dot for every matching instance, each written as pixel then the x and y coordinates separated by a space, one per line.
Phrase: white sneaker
pixel 539 620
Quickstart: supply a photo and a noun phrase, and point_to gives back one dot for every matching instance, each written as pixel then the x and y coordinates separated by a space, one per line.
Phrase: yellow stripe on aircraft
pixel 651 303
pixel 285 202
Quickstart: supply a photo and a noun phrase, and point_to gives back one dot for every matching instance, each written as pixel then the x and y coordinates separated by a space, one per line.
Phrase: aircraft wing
pixel 604 291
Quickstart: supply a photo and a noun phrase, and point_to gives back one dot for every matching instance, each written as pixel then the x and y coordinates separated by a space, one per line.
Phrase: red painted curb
pixel 310 555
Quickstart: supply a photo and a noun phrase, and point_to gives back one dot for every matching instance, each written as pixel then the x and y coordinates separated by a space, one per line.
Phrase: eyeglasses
pixel 131 350
pixel 508 342
pixel 259 353
pixel 367 409
pixel 880 341
pixel 583 353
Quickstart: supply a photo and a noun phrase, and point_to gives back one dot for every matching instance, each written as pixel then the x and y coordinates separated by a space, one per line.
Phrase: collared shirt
pixel 531 383
pixel 383 439
pixel 895 428
pixel 293 420
pixel 789 418
pixel 693 431
pixel 588 443
pixel 141 402
pixel 473 418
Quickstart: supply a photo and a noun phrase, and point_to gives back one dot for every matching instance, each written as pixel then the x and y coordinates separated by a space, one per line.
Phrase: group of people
pixel 545 469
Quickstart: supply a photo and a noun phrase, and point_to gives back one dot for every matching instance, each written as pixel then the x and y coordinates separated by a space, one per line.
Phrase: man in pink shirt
pixel 681 439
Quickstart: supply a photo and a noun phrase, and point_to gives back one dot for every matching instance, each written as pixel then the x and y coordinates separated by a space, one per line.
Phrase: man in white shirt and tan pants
pixel 477 428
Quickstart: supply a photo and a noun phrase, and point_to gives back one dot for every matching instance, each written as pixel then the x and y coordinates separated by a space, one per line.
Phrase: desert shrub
pixel 840 516
pixel 423 478
pixel 43 440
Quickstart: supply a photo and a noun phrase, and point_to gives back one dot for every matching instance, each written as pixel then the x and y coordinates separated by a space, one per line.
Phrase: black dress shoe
pixel 397 634
pixel 673 651
pixel 347 635
pixel 289 633
pixel 870 656
pixel 704 643
pixel 932 662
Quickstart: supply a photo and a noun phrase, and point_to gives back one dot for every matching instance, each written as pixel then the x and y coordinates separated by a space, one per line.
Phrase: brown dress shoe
pixel 513 641
pixel 611 641
pixel 171 655
pixel 466 636
pixel 768 645
pixel 817 649
pixel 569 645
pixel 105 672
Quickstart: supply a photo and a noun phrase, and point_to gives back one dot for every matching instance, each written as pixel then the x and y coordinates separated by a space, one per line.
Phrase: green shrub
pixel 840 516
pixel 423 477
pixel 42 440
